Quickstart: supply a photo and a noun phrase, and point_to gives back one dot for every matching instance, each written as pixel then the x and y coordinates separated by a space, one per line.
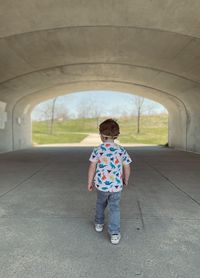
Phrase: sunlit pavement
pixel 46 216
pixel 93 139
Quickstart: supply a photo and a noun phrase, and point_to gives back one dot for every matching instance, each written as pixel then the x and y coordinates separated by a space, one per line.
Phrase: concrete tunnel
pixel 149 48
pixel 146 47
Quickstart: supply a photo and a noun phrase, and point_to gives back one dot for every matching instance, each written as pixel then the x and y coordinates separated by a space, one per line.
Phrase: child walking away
pixel 109 170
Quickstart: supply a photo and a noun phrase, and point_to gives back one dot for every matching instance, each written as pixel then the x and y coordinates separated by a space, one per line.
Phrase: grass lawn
pixel 41 139
pixel 146 136
pixel 154 130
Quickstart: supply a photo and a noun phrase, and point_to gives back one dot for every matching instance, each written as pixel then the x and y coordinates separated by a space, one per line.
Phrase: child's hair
pixel 109 128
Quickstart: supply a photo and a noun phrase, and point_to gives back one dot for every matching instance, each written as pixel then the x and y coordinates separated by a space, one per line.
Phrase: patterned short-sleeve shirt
pixel 110 159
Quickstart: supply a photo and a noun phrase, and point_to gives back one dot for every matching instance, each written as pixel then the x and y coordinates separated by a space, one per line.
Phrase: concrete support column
pixel 186 130
pixel 193 138
pixel 15 127
pixel 193 133
pixel 22 133
pixel 177 128
pixel 5 127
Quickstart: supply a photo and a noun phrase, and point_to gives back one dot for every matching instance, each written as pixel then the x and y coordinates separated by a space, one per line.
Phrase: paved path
pixel 91 139
pixel 46 216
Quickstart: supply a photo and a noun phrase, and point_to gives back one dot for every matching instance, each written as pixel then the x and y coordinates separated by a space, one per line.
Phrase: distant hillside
pixel 153 130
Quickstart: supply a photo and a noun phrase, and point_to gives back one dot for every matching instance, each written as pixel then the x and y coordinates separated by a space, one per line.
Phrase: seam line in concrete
pixel 132 219
pixel 43 70
pixel 175 185
pixel 140 213
pixel 23 181
pixel 184 47
pixel 99 26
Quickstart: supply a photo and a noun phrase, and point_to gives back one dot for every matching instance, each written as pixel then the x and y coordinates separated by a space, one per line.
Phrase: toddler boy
pixel 110 169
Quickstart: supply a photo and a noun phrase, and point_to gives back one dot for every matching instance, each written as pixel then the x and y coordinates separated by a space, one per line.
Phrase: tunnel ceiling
pixel 48 44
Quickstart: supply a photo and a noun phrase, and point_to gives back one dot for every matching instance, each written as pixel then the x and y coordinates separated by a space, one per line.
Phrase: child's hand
pixel 125 183
pixel 90 187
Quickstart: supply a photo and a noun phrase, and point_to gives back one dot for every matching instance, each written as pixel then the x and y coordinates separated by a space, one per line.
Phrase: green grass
pixel 147 136
pixel 70 131
pixel 153 130
pixel 58 138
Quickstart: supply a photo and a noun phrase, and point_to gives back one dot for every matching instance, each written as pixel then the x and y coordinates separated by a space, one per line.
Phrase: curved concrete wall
pixel 151 48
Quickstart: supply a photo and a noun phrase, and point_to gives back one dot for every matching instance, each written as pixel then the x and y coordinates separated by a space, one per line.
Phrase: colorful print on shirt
pixel 110 159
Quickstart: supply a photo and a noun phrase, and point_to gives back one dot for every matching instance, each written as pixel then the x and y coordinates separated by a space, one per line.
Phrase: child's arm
pixel 91 174
pixel 127 171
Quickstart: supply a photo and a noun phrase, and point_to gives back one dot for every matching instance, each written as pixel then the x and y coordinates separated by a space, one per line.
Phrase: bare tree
pixel 52 115
pixel 138 105
pixel 90 108
pixel 49 111
pixel 150 108
pixel 139 101
pixel 61 112
pixel 85 108
pixel 58 111
pixel 44 111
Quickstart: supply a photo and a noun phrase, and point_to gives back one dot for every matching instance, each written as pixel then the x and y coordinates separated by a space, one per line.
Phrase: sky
pixel 108 103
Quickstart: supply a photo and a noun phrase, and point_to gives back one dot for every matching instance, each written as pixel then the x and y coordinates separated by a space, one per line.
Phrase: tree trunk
pixel 52 116
pixel 138 121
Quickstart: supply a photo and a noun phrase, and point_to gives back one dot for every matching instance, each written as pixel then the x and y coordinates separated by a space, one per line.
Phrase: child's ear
pixel 102 139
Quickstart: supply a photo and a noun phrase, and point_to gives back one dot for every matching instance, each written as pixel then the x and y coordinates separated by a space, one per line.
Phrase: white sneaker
pixel 99 227
pixel 115 239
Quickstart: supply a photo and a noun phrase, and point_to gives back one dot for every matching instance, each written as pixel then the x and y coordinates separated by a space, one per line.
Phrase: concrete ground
pixel 46 216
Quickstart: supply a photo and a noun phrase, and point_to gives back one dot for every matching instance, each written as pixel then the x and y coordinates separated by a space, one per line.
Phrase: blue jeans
pixel 112 200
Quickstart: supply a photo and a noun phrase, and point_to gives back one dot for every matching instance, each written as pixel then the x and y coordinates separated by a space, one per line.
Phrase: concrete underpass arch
pixel 177 111
pixel 146 47
pixel 125 78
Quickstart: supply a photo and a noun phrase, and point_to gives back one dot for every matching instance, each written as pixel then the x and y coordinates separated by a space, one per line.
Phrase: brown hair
pixel 109 128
